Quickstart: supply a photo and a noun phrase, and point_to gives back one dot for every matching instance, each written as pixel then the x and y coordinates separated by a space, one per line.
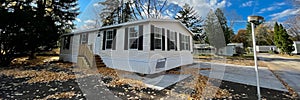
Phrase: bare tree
pixel 143 9
pixel 292 25
pixel 233 17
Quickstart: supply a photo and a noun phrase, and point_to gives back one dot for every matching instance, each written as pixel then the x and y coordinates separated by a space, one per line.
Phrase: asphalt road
pixel 288 69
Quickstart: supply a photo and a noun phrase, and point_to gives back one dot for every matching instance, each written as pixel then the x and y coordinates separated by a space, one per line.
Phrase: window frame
pixel 172 39
pixel 185 42
pixel 84 38
pixel 136 38
pixel 157 32
pixel 66 40
pixel 110 31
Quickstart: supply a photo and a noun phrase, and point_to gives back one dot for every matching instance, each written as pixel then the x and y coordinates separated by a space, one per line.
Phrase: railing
pixel 84 51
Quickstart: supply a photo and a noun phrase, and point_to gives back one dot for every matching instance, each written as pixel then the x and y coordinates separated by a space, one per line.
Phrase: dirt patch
pixel 62 95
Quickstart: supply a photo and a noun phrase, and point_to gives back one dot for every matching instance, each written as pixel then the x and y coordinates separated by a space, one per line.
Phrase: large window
pixel 66 42
pixel 185 40
pixel 172 45
pixel 157 38
pixel 109 39
pixel 84 38
pixel 133 37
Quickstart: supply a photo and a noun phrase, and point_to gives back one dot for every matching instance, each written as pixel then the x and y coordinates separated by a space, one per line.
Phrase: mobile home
pixel 146 46
pixel 297 47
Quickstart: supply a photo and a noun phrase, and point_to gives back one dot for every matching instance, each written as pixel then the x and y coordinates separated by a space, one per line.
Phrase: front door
pixel 97 44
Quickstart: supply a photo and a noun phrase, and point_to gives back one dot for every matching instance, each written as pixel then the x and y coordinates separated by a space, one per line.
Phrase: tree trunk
pixel 32 55
pixel 5 61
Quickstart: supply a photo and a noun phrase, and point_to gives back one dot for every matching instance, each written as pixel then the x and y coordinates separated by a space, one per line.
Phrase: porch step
pixel 99 61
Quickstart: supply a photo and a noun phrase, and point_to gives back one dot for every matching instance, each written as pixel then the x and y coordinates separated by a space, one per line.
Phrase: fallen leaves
pixel 38 76
pixel 204 89
pixel 243 62
pixel 62 95
pixel 105 71
pixel 131 82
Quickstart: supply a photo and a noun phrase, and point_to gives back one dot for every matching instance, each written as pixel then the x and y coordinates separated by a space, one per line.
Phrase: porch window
pixel 133 37
pixel 185 42
pixel 84 38
pixel 172 45
pixel 66 42
pixel 157 38
pixel 109 39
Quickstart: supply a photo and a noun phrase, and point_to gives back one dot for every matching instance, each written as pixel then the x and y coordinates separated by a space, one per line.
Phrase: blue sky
pixel 271 10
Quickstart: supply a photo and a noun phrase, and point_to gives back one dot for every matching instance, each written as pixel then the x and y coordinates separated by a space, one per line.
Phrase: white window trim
pixel 185 43
pixel 129 37
pixel 106 39
pixel 159 32
pixel 172 34
pixel 84 38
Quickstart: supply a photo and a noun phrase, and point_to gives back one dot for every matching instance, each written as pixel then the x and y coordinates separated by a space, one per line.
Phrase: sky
pixel 271 10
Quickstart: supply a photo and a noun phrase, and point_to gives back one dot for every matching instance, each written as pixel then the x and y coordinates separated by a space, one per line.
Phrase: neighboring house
pixel 146 46
pixel 297 47
pixel 266 49
pixel 229 50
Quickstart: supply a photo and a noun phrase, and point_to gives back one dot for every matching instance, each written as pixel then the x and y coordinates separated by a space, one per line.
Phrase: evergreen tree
pixel 30 24
pixel 188 17
pixel 228 32
pixel 126 12
pixel 110 12
pixel 214 31
pixel 115 12
pixel 282 39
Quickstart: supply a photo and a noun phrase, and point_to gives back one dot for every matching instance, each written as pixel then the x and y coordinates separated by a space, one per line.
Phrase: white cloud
pixel 96 4
pixel 287 12
pixel 280 3
pixel 78 20
pixel 273 7
pixel 247 4
pixel 90 22
pixel 268 9
pixel 202 6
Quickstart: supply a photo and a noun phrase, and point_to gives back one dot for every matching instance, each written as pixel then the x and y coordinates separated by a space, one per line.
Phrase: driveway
pixel 288 69
pixel 241 74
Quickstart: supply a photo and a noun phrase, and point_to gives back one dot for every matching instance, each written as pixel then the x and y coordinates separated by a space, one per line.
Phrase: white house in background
pixel 266 49
pixel 145 46
pixel 297 47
